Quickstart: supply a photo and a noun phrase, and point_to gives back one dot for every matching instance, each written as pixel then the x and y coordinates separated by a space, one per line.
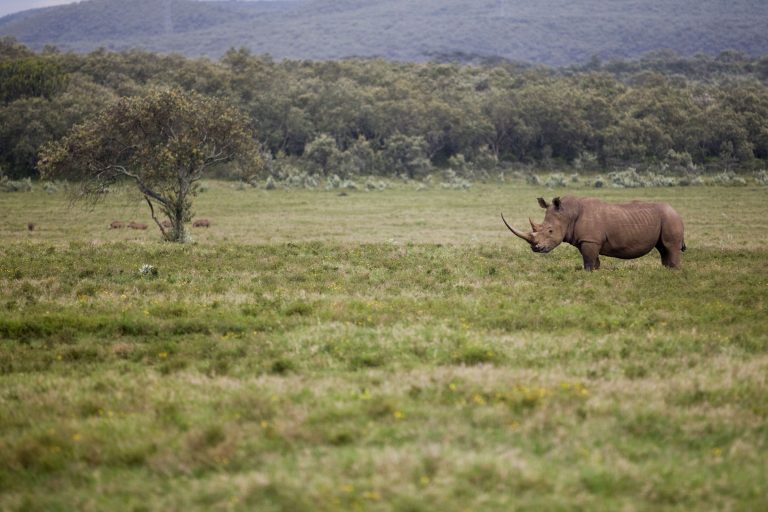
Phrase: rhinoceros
pixel 627 231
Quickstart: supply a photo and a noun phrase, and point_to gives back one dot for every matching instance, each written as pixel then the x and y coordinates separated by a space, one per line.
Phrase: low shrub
pixel 451 180
pixel 628 178
pixel 9 185
pixel 728 178
pixel 555 181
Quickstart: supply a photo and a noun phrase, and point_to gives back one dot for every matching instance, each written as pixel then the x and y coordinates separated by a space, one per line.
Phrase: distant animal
pixel 596 228
pixel 201 223
pixel 31 226
pixel 137 225
pixel 166 224
pixel 116 224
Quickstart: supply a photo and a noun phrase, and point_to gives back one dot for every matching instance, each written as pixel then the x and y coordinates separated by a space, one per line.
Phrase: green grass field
pixel 394 350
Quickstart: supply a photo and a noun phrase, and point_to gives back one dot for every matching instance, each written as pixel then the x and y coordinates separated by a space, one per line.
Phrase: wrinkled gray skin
pixel 596 228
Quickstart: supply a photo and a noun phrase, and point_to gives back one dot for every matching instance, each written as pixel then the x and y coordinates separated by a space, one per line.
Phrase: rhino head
pixel 550 233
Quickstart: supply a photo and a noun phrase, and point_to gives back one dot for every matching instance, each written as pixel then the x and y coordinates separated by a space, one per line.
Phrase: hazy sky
pixel 10 6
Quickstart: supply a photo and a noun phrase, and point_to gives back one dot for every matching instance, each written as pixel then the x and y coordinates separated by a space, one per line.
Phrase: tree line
pixel 375 117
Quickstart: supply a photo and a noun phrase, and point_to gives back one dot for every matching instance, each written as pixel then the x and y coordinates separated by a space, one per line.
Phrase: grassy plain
pixel 392 350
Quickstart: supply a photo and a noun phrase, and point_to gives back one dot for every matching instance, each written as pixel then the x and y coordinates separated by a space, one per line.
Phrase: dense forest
pixel 661 113
pixel 549 32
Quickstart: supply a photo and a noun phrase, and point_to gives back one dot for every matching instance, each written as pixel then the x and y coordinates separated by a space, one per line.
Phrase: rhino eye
pixel 550 230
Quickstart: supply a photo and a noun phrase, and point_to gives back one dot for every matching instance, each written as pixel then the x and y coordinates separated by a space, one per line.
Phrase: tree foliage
pixel 361 117
pixel 29 77
pixel 163 142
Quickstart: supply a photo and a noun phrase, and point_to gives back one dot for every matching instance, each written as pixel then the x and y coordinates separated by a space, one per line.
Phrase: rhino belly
pixel 627 252
pixel 630 243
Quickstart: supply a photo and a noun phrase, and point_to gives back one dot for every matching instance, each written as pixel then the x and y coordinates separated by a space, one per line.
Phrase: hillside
pixel 552 32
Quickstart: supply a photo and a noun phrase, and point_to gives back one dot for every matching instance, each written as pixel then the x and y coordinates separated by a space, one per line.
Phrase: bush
pixel 485 159
pixel 555 181
pixel 452 180
pixel 532 179
pixel 679 163
pixel 407 155
pixel 22 185
pixel 658 180
pixel 728 178
pixel 372 184
pixel 586 160
pixel 335 182
pixel 687 181
pixel 362 158
pixel 322 153
pixel 292 173
pixel 628 178
pixel 458 164
pixel 51 187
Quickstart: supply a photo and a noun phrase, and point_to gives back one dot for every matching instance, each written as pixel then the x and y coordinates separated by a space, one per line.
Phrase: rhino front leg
pixel 590 253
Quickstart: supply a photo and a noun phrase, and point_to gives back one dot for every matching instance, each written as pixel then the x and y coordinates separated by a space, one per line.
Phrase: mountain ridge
pixel 550 32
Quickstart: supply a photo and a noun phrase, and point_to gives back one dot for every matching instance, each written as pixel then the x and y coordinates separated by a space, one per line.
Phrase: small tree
pixel 322 151
pixel 407 155
pixel 163 142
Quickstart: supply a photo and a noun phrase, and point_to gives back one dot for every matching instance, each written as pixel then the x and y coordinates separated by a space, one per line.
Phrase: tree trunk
pixel 179 234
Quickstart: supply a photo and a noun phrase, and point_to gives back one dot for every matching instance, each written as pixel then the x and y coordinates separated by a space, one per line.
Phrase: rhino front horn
pixel 525 236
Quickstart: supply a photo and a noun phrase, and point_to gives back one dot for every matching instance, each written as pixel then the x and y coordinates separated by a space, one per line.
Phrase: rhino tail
pixel 683 248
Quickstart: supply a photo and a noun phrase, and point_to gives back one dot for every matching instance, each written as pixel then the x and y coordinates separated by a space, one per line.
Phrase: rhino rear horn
pixel 525 236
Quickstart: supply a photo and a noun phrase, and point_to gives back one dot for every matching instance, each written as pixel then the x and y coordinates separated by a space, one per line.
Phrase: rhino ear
pixel 542 203
pixel 556 202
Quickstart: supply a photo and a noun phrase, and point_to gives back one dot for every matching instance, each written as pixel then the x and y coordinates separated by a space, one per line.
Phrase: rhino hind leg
pixel 671 257
pixel 672 240
pixel 674 259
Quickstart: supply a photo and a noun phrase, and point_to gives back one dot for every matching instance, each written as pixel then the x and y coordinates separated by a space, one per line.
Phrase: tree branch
pixel 159 224
pixel 142 186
